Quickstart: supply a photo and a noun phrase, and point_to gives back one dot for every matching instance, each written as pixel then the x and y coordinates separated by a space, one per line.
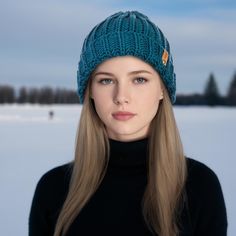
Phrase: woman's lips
pixel 123 115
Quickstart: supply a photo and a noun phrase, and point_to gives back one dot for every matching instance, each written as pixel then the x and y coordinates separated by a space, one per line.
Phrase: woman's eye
pixel 140 80
pixel 105 81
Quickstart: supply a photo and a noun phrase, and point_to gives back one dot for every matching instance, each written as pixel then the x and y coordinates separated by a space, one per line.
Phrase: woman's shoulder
pixel 205 200
pixel 202 183
pixel 61 172
pixel 54 182
pixel 198 171
pixel 50 193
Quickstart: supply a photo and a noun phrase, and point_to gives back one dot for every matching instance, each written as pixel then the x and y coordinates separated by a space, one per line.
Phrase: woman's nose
pixel 121 94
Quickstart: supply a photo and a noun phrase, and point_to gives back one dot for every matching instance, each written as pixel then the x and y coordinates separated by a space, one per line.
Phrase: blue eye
pixel 105 81
pixel 140 80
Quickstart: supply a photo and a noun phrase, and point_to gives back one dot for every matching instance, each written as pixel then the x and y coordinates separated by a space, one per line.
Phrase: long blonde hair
pixel 163 196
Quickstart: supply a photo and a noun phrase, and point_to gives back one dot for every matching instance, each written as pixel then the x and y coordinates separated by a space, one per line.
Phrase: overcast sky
pixel 40 41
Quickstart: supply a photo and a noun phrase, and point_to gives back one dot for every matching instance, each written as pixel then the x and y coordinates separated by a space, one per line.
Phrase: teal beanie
pixel 122 34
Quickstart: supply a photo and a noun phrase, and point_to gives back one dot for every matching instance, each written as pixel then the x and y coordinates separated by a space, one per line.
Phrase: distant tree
pixel 231 95
pixel 64 96
pixel 23 95
pixel 211 93
pixel 72 97
pixel 33 95
pixel 60 96
pixel 191 99
pixel 7 94
pixel 46 95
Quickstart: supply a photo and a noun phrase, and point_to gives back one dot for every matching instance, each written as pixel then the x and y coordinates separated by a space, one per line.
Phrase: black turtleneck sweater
pixel 115 208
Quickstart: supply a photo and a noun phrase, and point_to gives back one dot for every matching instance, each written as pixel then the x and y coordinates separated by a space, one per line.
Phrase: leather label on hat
pixel 165 56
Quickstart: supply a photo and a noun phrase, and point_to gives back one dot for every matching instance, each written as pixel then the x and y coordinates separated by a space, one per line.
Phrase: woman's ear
pixel 90 87
pixel 161 96
pixel 91 95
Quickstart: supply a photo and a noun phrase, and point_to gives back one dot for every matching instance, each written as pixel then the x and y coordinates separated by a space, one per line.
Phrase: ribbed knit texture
pixel 121 34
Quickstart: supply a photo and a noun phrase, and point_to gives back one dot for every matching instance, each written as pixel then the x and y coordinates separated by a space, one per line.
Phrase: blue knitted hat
pixel 126 33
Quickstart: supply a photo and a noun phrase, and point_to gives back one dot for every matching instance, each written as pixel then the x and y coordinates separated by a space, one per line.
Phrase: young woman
pixel 129 175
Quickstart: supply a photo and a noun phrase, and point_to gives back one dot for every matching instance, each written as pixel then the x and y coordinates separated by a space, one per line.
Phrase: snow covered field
pixel 31 144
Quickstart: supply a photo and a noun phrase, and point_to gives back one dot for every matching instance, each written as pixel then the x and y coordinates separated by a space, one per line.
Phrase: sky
pixel 40 41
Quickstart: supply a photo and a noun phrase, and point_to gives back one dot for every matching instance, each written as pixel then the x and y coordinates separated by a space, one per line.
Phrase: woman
pixel 130 175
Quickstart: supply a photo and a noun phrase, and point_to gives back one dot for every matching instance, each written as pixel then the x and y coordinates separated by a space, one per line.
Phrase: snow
pixel 31 143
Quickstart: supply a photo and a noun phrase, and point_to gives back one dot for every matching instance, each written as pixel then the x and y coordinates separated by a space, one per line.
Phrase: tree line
pixel 44 95
pixel 47 95
pixel 211 95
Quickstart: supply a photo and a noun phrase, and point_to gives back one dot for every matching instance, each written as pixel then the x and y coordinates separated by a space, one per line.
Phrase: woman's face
pixel 126 93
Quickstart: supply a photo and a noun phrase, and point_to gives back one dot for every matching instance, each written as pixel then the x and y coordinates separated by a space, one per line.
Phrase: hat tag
pixel 165 56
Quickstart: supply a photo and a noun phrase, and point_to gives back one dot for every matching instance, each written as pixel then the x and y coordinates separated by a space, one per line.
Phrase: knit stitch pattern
pixel 126 34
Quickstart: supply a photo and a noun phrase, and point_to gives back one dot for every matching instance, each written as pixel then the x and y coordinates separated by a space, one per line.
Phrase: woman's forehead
pixel 128 64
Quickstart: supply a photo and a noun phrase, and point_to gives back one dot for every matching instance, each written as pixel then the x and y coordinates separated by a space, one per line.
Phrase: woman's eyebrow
pixel 139 72
pixel 103 73
pixel 130 73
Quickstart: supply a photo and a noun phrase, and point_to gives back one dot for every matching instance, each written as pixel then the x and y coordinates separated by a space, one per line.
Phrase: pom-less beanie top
pixel 122 34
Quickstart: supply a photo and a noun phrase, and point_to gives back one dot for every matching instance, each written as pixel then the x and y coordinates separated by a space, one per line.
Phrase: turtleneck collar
pixel 128 155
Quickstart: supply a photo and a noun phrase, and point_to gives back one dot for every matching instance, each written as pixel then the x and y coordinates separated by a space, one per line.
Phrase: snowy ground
pixel 31 144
